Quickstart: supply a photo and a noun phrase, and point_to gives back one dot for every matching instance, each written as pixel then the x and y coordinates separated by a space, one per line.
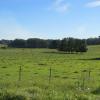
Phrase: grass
pixel 71 76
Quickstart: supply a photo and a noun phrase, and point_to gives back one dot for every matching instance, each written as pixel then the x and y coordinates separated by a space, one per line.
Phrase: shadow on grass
pixel 55 52
pixel 90 59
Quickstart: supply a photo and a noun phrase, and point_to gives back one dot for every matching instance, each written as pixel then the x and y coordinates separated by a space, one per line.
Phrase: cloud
pixel 10 28
pixel 60 6
pixel 93 4
pixel 79 31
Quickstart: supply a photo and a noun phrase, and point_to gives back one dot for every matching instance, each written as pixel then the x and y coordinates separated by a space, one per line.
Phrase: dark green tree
pixel 83 46
pixel 54 44
pixel 71 45
pixel 18 43
pixel 63 45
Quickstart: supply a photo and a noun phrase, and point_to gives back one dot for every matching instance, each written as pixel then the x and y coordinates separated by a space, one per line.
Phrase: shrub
pixel 96 91
pixel 82 97
pixel 4 47
pixel 11 96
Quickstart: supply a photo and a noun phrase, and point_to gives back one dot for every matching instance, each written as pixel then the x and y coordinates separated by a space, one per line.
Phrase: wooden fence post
pixel 20 73
pixel 50 73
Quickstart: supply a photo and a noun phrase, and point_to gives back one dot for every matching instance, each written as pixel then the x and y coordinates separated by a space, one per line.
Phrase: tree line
pixel 93 41
pixel 69 45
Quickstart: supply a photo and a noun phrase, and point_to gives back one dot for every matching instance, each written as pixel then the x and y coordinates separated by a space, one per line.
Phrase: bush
pixel 82 97
pixel 4 47
pixel 11 96
pixel 96 91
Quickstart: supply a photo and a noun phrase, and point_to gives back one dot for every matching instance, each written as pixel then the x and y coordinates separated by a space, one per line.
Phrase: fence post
pixel 89 74
pixel 50 73
pixel 20 73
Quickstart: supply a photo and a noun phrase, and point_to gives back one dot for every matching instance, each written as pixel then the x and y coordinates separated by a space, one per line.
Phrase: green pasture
pixel 56 74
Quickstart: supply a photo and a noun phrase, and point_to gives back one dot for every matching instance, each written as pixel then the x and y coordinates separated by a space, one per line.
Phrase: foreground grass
pixel 49 75
pixel 36 93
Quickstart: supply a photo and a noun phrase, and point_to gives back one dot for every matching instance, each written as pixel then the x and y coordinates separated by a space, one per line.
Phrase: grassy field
pixel 44 74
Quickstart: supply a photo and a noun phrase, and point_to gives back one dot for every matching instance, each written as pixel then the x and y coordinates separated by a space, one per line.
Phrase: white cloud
pixel 60 6
pixel 93 4
pixel 79 31
pixel 10 28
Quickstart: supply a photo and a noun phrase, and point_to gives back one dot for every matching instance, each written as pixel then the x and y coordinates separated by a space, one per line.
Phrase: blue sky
pixel 54 19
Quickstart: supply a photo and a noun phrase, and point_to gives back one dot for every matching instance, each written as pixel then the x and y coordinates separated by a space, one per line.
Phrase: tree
pixel 54 44
pixel 19 43
pixel 36 43
pixel 83 46
pixel 32 43
pixel 71 45
pixel 42 43
pixel 63 45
